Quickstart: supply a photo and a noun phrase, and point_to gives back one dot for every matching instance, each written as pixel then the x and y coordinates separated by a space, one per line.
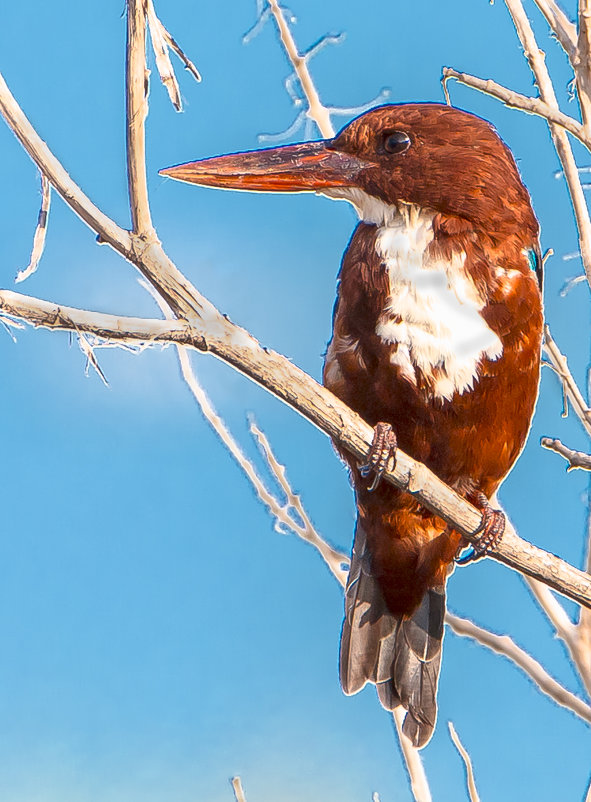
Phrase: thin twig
pixel 238 789
pixel 136 81
pixel 560 365
pixel 566 630
pixel 582 62
pixel 337 562
pixel 40 232
pixel 564 30
pixel 162 57
pixel 414 765
pixel 575 459
pixel 470 781
pixel 316 111
pixel 189 65
pixel 505 646
pixel 301 526
pixel 536 60
pixel 514 100
pixel 584 622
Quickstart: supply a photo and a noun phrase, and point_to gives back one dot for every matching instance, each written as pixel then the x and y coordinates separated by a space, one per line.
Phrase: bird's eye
pixel 396 141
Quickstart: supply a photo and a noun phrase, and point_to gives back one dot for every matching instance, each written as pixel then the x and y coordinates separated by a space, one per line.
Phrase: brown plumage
pixel 437 331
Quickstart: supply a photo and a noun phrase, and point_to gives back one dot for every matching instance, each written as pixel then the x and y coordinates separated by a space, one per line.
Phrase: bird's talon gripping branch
pixel 381 455
pixel 492 528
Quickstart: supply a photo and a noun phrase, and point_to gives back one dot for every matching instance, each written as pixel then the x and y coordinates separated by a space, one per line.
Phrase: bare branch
pixel 189 65
pixel 514 100
pixel 537 64
pixel 316 111
pixel 238 790
pixel 575 459
pixel 564 30
pixel 163 63
pixel 91 360
pixel 582 62
pixel 51 167
pixel 470 781
pixel 40 232
pixel 286 381
pixel 301 526
pixel 505 646
pixel 337 562
pixel 565 630
pixel 560 365
pixel 418 779
pixel 137 110
pixel 161 41
pixel 584 623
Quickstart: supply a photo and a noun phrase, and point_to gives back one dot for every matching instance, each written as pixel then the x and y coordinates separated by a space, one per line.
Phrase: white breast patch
pixel 433 309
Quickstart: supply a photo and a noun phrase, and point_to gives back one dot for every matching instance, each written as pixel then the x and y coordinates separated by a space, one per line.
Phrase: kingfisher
pixel 436 342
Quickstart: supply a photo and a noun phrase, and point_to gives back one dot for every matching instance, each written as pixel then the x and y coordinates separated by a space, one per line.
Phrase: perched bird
pixel 436 342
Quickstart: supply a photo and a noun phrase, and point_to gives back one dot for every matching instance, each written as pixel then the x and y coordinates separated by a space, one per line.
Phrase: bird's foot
pixel 492 528
pixel 381 455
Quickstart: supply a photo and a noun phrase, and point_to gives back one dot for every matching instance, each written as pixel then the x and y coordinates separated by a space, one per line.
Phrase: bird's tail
pixel 401 655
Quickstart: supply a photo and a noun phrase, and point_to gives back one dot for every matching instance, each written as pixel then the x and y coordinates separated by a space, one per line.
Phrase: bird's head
pixel 426 154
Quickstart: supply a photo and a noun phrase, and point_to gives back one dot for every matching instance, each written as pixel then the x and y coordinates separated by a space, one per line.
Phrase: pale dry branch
pixel 506 647
pixel 564 30
pixel 136 84
pixel 239 794
pixel 470 781
pixel 91 360
pixel 208 330
pixel 300 524
pixel 189 65
pixel 536 60
pixel 566 630
pixel 575 459
pixel 316 111
pixel 560 364
pixel 584 622
pixel 40 232
pixel 161 42
pixel 337 562
pixel 582 62
pixel 162 57
pixel 514 100
pixel 286 381
pixel 419 784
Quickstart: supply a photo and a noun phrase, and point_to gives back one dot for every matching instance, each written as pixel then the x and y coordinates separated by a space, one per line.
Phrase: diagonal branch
pixel 316 111
pixel 536 60
pixel 289 383
pixel 575 459
pixel 505 646
pixel 582 62
pixel 514 100
pixel 564 30
pixel 463 752
pixel 571 389
pixel 136 83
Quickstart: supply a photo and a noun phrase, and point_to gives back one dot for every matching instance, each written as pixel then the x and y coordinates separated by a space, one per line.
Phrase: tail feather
pixel 401 656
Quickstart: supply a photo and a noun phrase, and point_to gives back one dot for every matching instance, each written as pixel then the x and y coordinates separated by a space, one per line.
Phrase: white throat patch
pixel 432 314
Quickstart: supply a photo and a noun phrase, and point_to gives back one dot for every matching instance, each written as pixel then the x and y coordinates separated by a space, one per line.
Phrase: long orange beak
pixel 294 168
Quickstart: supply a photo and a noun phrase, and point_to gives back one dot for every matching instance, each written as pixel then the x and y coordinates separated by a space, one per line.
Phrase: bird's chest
pixel 430 327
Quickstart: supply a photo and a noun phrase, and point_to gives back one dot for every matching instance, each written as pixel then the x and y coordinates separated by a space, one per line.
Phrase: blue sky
pixel 157 635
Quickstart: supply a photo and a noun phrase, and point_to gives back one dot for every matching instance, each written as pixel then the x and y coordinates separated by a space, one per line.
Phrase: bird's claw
pixel 492 527
pixel 381 455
